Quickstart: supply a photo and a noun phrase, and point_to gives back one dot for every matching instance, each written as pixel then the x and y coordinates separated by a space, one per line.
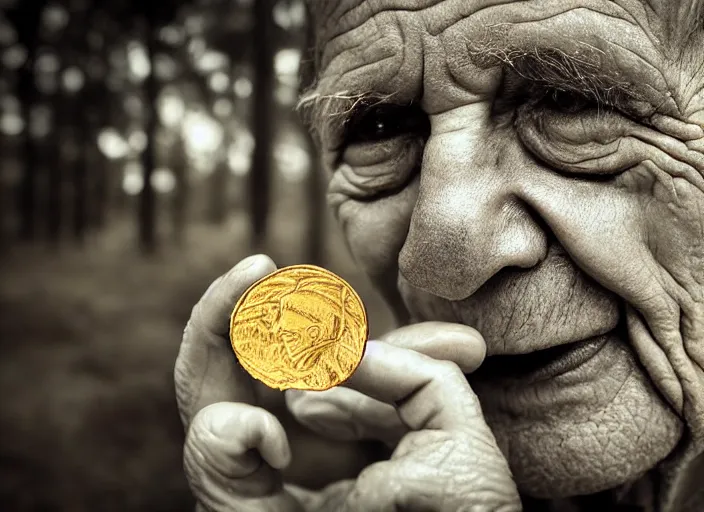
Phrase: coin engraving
pixel 301 327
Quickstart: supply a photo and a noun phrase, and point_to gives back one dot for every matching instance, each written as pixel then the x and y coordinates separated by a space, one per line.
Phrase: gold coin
pixel 301 327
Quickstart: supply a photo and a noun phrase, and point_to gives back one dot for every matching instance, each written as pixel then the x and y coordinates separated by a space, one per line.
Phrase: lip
pixel 542 364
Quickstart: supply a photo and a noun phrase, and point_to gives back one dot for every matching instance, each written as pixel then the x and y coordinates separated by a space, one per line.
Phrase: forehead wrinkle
pixel 676 20
pixel 643 14
pixel 347 15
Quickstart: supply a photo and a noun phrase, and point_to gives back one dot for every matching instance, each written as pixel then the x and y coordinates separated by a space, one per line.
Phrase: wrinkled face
pixel 534 169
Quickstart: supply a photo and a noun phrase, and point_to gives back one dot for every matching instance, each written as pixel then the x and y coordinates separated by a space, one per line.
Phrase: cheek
pixel 675 228
pixel 375 230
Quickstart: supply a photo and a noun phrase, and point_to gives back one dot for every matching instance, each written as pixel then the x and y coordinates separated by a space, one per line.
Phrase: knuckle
pixel 370 476
pixel 419 439
pixel 380 487
pixel 447 370
pixel 267 421
pixel 204 464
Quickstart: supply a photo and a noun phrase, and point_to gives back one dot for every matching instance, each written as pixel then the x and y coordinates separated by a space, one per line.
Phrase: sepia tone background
pixel 145 147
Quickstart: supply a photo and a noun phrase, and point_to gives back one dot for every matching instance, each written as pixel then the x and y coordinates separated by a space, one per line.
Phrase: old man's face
pixel 534 169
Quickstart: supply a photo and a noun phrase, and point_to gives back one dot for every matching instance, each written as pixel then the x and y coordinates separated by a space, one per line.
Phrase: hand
pixel 344 414
pixel 447 461
pixel 234 447
pixel 215 397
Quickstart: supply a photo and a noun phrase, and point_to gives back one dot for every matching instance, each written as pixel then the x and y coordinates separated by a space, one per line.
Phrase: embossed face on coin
pixel 301 327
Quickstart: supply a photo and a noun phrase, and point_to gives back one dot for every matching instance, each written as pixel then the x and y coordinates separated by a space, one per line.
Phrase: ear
pixel 313 332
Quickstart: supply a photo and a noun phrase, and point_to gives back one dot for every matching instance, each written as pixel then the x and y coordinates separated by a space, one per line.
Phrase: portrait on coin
pixel 300 327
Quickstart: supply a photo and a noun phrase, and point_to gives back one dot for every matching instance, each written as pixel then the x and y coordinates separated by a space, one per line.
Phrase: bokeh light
pixel 163 180
pixel 202 133
pixel 132 178
pixel 243 87
pixel 287 63
pixel 138 61
pixel 219 82
pixel 239 153
pixel 286 95
pixel 212 61
pixel 14 57
pixel 47 62
pixel 222 107
pixel 55 17
pixel 290 14
pixel 171 109
pixel 73 79
pixel 137 140
pixel 197 48
pixel 292 160
pixel 112 145
pixel 172 35
pixel 11 124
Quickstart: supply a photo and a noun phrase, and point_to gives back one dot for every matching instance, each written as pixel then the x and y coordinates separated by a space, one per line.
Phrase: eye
pixel 381 148
pixel 568 102
pixel 576 135
pixel 383 122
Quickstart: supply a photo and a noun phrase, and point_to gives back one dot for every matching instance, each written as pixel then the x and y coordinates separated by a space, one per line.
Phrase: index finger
pixel 454 342
pixel 207 370
pixel 428 393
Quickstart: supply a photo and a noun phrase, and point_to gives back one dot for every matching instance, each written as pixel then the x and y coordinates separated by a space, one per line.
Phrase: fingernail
pixel 247 262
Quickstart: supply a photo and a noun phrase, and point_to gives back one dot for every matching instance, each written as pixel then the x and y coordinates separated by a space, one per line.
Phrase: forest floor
pixel 88 339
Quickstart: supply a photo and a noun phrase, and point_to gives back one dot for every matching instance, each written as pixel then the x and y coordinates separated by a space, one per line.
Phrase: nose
pixel 469 222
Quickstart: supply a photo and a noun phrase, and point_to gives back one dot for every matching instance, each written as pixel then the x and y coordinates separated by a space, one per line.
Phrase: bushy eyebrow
pixel 547 67
pixel 554 69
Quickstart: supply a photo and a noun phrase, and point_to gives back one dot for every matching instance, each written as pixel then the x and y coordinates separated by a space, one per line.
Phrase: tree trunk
pixel 54 205
pixel 219 181
pixel 80 178
pixel 315 189
pixel 262 119
pixel 179 202
pixel 28 95
pixel 103 169
pixel 147 202
pixel 26 17
pixel 95 216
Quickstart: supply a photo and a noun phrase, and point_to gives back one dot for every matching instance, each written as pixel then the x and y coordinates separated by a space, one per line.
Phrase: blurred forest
pixel 145 148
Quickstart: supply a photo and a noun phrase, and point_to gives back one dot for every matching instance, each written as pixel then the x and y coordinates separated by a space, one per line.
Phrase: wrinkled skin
pixel 538 225
pixel 480 180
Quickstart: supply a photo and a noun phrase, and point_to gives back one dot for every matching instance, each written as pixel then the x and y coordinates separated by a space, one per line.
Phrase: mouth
pixel 546 363
pixel 542 364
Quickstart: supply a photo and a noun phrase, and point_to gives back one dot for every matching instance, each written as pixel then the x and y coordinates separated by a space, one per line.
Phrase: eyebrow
pixel 546 67
pixel 556 69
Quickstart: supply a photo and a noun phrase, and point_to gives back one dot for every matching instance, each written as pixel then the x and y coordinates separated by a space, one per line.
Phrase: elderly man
pixel 524 181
